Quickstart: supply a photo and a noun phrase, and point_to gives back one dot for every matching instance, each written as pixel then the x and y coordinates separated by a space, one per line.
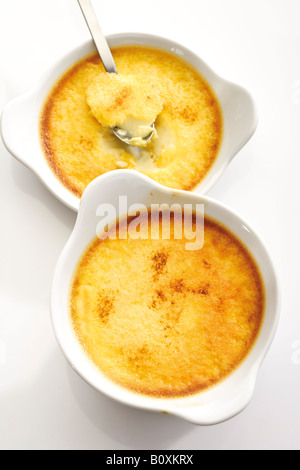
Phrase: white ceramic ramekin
pixel 227 398
pixel 20 118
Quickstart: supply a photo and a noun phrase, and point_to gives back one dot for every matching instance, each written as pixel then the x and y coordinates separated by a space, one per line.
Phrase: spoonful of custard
pixel 121 102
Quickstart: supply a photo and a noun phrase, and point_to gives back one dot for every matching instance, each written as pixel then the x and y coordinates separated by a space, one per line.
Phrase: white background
pixel 43 403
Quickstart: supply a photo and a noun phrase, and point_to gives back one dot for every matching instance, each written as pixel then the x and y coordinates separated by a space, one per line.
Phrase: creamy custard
pixel 163 321
pixel 189 125
pixel 125 101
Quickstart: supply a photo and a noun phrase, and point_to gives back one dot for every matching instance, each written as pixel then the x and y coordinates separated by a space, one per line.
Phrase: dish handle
pixel 241 117
pixel 16 125
pixel 220 410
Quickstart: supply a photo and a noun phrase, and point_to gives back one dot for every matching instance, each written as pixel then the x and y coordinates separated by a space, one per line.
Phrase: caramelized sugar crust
pixel 163 321
pixel 189 128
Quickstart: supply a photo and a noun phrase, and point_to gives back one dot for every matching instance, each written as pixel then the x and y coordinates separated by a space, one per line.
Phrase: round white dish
pixel 226 399
pixel 20 118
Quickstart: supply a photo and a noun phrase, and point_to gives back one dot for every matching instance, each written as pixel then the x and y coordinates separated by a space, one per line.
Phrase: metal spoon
pixel 107 60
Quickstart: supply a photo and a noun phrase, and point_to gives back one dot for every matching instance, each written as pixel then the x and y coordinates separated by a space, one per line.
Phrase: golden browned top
pixel 164 321
pixel 189 127
pixel 113 98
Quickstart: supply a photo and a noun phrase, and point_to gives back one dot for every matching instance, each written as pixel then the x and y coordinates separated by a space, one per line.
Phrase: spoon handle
pixel 97 35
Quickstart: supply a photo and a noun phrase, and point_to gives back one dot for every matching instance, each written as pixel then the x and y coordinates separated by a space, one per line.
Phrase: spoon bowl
pixel 128 139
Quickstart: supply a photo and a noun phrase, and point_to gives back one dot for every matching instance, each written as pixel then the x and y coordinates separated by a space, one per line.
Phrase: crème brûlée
pixel 76 120
pixel 164 321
